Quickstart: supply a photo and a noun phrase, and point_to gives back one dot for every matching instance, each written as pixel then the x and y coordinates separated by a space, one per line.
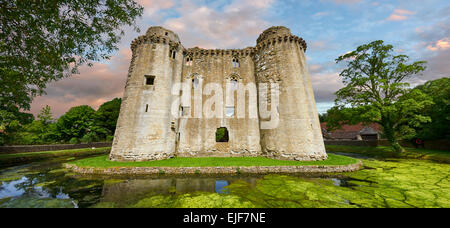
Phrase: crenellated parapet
pixel 278 34
pixel 219 52
pixel 158 35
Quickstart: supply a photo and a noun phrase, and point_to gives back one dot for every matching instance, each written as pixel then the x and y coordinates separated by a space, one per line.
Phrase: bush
pixel 89 137
pixel 109 138
pixel 74 141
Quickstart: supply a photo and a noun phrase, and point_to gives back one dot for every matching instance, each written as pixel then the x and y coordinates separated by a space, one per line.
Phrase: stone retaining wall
pixel 372 143
pixel 39 148
pixel 215 170
pixel 439 144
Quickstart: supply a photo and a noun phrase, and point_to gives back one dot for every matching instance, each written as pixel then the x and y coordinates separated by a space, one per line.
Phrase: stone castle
pixel 147 130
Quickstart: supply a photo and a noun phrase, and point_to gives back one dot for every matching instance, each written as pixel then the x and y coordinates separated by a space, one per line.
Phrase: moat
pixel 388 183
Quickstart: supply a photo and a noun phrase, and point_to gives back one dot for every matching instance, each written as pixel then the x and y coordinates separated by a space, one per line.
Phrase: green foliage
pixel 109 138
pixel 222 135
pixel 45 115
pixel 74 141
pixel 375 91
pixel 90 137
pixel 323 117
pixel 12 122
pixel 105 118
pixel 44 41
pixel 439 127
pixel 75 123
pixel 79 124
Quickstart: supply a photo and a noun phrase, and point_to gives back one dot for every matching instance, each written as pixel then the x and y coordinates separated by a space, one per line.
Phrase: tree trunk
pixel 390 135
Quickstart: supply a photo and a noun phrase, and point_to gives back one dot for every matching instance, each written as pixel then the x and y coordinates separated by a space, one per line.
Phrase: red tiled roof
pixel 356 127
pixel 348 131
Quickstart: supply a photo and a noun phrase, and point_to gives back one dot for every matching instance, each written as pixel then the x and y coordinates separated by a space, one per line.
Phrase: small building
pixel 352 132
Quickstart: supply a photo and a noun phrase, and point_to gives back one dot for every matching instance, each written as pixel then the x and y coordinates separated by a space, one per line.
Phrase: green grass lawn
pixel 33 156
pixel 388 152
pixel 103 162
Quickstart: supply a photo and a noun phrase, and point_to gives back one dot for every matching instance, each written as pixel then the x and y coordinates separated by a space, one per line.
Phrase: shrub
pixel 89 137
pixel 109 138
pixel 74 141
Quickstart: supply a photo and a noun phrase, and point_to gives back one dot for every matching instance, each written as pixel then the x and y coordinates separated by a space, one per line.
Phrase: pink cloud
pixel 92 86
pixel 400 15
pixel 236 25
pixel 442 44
pixel 344 1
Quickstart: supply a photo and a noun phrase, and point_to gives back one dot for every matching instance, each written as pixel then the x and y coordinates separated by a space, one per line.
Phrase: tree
pixel 323 117
pixel 75 123
pixel 106 116
pixel 43 41
pixel 376 91
pixel 11 122
pixel 439 127
pixel 45 115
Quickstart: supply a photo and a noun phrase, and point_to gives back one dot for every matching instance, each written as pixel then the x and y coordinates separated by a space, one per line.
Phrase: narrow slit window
pixel 195 83
pixel 174 54
pixel 146 108
pixel 235 63
pixel 234 84
pixel 149 79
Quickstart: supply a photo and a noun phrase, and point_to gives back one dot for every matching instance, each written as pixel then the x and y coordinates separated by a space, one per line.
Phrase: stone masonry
pixel 148 130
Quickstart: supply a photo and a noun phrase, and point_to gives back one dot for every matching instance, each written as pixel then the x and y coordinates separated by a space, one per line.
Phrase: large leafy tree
pixel 106 116
pixel 439 112
pixel 76 123
pixel 376 91
pixel 45 40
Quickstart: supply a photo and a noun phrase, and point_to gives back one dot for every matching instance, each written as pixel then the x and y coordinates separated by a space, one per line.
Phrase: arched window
pixel 172 53
pixel 233 84
pixel 195 81
pixel 189 61
pixel 235 62
pixel 222 135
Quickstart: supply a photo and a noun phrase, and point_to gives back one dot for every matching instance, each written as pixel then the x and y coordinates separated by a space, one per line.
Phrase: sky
pixel 417 28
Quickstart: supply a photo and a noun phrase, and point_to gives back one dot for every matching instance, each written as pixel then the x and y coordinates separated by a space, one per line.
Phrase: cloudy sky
pixel 418 28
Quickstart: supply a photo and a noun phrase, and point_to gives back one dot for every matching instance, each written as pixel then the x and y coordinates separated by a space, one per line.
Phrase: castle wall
pixel 148 130
pixel 198 135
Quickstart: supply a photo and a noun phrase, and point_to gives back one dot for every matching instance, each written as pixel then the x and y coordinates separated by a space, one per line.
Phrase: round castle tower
pixel 145 127
pixel 296 134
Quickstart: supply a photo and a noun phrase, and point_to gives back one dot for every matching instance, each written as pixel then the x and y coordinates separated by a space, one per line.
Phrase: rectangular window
pixel 149 79
pixel 185 111
pixel 229 111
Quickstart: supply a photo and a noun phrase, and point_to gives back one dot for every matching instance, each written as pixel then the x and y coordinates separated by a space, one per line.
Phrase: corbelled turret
pixel 293 131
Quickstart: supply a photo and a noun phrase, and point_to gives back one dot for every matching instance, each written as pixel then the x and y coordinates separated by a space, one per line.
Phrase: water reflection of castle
pixel 162 186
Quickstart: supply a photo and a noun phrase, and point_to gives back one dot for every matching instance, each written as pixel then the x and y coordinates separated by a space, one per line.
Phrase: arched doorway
pixel 222 134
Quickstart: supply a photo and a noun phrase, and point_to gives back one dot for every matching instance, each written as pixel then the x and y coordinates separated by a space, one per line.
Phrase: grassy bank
pixel 388 152
pixel 6 159
pixel 103 162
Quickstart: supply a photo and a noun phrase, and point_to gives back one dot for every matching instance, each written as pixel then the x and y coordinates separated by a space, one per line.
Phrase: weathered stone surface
pixel 215 170
pixel 146 130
